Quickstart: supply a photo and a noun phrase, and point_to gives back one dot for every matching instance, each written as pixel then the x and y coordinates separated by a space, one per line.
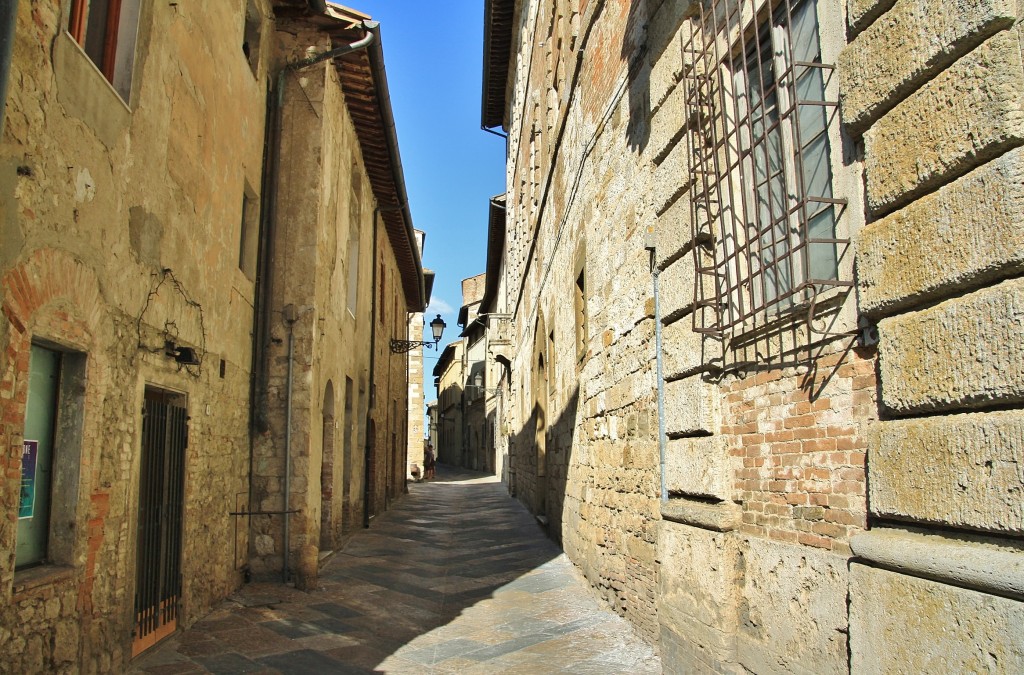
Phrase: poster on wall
pixel 29 452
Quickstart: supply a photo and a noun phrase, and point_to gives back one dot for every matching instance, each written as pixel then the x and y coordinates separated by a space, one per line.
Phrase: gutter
pixel 370 444
pixel 8 19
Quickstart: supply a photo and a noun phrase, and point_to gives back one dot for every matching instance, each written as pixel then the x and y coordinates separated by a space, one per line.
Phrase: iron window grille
pixel 761 176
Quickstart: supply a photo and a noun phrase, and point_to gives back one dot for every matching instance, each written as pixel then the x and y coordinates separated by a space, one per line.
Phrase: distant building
pixel 416 391
pixel 449 378
pixel 762 264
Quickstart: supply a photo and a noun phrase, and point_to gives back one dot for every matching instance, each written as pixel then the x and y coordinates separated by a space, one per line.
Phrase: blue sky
pixel 433 53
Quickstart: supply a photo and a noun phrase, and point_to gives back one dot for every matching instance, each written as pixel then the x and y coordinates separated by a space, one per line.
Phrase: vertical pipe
pixel 368 450
pixel 289 313
pixel 8 19
pixel 660 377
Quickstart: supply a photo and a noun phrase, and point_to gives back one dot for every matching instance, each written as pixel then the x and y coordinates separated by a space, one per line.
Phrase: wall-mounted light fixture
pixel 478 383
pixel 185 356
pixel 436 327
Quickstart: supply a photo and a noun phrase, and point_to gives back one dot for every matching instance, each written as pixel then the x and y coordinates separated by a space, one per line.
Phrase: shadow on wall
pixel 650 31
pixel 540 460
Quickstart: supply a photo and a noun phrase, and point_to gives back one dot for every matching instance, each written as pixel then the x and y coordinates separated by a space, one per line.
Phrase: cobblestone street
pixel 455 578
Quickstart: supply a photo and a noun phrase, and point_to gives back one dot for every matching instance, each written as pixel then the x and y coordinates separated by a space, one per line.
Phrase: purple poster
pixel 29 453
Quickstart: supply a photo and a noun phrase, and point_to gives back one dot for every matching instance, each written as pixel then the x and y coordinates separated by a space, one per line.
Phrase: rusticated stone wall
pixel 823 476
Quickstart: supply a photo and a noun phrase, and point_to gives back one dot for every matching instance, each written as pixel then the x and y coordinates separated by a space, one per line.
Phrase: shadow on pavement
pixel 449 545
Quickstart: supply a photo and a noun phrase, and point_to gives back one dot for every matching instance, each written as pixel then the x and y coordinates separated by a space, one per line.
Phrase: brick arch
pixel 50 275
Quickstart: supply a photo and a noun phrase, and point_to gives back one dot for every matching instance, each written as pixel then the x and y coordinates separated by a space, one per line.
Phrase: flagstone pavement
pixel 457 577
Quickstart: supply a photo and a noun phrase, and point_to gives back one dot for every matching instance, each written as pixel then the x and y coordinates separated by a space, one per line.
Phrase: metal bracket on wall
pixel 262 513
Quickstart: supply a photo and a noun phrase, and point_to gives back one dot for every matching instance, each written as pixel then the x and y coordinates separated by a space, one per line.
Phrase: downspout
pixel 8 19
pixel 368 449
pixel 265 267
pixel 289 315
pixel 659 375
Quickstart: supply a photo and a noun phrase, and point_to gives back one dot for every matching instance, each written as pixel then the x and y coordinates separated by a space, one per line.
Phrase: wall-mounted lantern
pixel 437 327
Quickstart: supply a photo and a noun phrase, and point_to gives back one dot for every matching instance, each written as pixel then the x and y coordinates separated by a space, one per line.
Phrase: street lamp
pixel 436 328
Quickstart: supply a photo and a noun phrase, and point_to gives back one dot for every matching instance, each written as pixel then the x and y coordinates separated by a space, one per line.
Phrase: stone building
pixel 163 284
pixel 450 380
pixel 762 262
pixel 343 223
pixel 474 416
pixel 416 410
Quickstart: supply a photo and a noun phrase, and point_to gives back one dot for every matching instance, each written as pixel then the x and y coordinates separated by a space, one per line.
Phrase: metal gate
pixel 161 488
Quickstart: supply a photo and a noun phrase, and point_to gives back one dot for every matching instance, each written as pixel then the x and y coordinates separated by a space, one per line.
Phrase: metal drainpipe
pixel 8 19
pixel 660 378
pixel 290 316
pixel 368 449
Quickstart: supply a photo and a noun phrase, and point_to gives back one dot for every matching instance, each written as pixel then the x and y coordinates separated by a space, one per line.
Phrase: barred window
pixel 760 156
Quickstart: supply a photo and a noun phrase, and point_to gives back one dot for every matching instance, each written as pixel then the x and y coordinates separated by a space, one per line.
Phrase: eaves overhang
pixel 498 18
pixel 495 251
pixel 443 361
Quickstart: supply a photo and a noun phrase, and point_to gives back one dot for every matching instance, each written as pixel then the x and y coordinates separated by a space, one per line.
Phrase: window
pixel 106 30
pixel 251 36
pixel 581 314
pixel 759 147
pixel 353 268
pixel 248 240
pixel 381 289
pixel 52 438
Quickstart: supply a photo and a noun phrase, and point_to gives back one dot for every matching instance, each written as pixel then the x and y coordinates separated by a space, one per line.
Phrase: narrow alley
pixel 456 577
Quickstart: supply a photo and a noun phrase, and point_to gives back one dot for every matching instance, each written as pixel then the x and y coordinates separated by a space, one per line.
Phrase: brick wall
pixel 799 445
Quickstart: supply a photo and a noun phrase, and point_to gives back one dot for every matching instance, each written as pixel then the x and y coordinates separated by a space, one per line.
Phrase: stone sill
pixel 721 517
pixel 984 567
pixel 27 581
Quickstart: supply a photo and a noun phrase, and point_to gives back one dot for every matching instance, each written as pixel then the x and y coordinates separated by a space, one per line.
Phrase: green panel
pixel 37 456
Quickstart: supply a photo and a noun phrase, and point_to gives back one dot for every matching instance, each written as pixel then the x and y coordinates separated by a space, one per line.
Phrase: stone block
pixel 698 467
pixel 905 624
pixel 968 114
pixel 957 470
pixel 962 353
pixel 697 598
pixel 670 178
pixel 685 352
pixel 792 613
pixel 969 232
pixel 990 566
pixel 664 51
pixel 673 232
pixel 676 286
pixel 908 45
pixel 667 126
pixel 860 13
pixel 691 407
